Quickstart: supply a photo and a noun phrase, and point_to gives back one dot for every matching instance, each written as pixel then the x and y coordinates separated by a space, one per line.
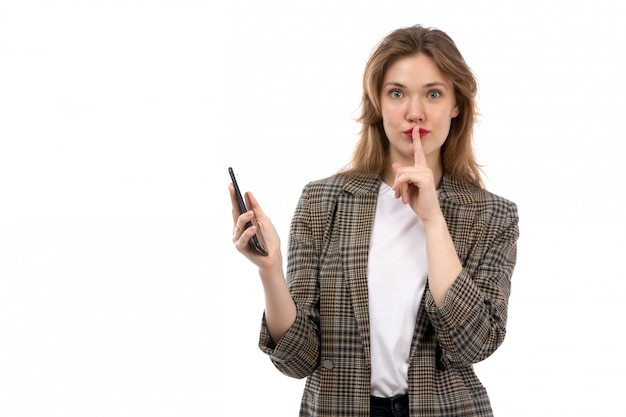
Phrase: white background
pixel 120 291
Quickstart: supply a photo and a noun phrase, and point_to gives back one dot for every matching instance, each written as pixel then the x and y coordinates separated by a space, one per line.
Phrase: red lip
pixel 422 132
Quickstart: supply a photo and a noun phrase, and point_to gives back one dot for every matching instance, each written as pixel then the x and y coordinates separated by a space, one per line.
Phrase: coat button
pixel 327 363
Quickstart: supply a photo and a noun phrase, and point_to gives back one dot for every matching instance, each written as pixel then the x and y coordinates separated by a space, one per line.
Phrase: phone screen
pixel 257 242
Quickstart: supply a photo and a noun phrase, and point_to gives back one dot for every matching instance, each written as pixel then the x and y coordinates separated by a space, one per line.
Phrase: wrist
pixel 271 270
pixel 435 220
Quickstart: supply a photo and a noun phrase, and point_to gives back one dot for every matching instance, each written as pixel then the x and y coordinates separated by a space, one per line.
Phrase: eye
pixel 396 94
pixel 434 94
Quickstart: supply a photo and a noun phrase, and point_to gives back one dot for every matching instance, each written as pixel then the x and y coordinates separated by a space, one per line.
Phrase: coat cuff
pixel 291 347
pixel 458 307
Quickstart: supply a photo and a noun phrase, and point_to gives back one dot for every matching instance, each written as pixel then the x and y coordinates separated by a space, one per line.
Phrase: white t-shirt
pixel 397 273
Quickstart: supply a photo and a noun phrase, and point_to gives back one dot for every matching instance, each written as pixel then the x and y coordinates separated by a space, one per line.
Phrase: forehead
pixel 415 69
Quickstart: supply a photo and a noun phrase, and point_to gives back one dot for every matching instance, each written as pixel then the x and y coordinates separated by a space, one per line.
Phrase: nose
pixel 415 111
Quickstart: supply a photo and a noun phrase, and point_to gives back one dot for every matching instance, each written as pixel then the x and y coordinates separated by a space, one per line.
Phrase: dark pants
pixel 397 406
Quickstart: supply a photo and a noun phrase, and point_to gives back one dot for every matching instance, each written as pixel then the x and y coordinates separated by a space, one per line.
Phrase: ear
pixel 457 108
pixel 456 111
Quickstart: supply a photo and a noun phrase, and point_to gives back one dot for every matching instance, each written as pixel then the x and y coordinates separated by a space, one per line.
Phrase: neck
pixel 437 174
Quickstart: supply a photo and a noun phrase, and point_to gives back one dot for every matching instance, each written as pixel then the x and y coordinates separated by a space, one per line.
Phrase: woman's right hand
pixel 242 235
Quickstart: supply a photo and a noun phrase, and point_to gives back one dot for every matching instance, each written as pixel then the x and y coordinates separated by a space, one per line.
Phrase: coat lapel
pixel 456 203
pixel 358 201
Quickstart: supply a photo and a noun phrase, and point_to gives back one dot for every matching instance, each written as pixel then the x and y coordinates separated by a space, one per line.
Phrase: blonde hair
pixel 457 153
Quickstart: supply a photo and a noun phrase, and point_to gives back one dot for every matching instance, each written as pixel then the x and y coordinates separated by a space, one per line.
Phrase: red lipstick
pixel 422 132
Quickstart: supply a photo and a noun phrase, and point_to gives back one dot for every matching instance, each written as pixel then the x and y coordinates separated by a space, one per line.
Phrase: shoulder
pixel 477 216
pixel 339 183
pixel 480 199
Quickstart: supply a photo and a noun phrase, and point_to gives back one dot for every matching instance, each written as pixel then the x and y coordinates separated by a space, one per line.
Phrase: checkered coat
pixel 329 343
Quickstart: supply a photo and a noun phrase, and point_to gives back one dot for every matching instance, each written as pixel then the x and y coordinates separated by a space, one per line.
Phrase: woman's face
pixel 416 94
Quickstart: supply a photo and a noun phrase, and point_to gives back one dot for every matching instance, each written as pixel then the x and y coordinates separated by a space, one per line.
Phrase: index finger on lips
pixel 418 150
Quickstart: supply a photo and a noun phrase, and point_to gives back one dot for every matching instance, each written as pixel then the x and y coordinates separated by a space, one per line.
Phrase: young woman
pixel 399 267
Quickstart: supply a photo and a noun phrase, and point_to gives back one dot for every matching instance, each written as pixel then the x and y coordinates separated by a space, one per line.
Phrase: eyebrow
pixel 427 85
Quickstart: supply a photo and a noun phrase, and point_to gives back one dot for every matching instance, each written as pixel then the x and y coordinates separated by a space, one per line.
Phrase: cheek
pixel 445 117
pixel 386 118
pixel 389 115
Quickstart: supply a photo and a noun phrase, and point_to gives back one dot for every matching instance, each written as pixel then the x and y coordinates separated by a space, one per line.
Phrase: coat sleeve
pixel 296 354
pixel 471 324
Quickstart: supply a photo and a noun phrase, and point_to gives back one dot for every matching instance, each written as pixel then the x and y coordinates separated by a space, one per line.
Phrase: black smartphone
pixel 257 242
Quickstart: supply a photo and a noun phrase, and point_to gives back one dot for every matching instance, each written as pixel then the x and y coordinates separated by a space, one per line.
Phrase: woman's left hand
pixel 416 184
